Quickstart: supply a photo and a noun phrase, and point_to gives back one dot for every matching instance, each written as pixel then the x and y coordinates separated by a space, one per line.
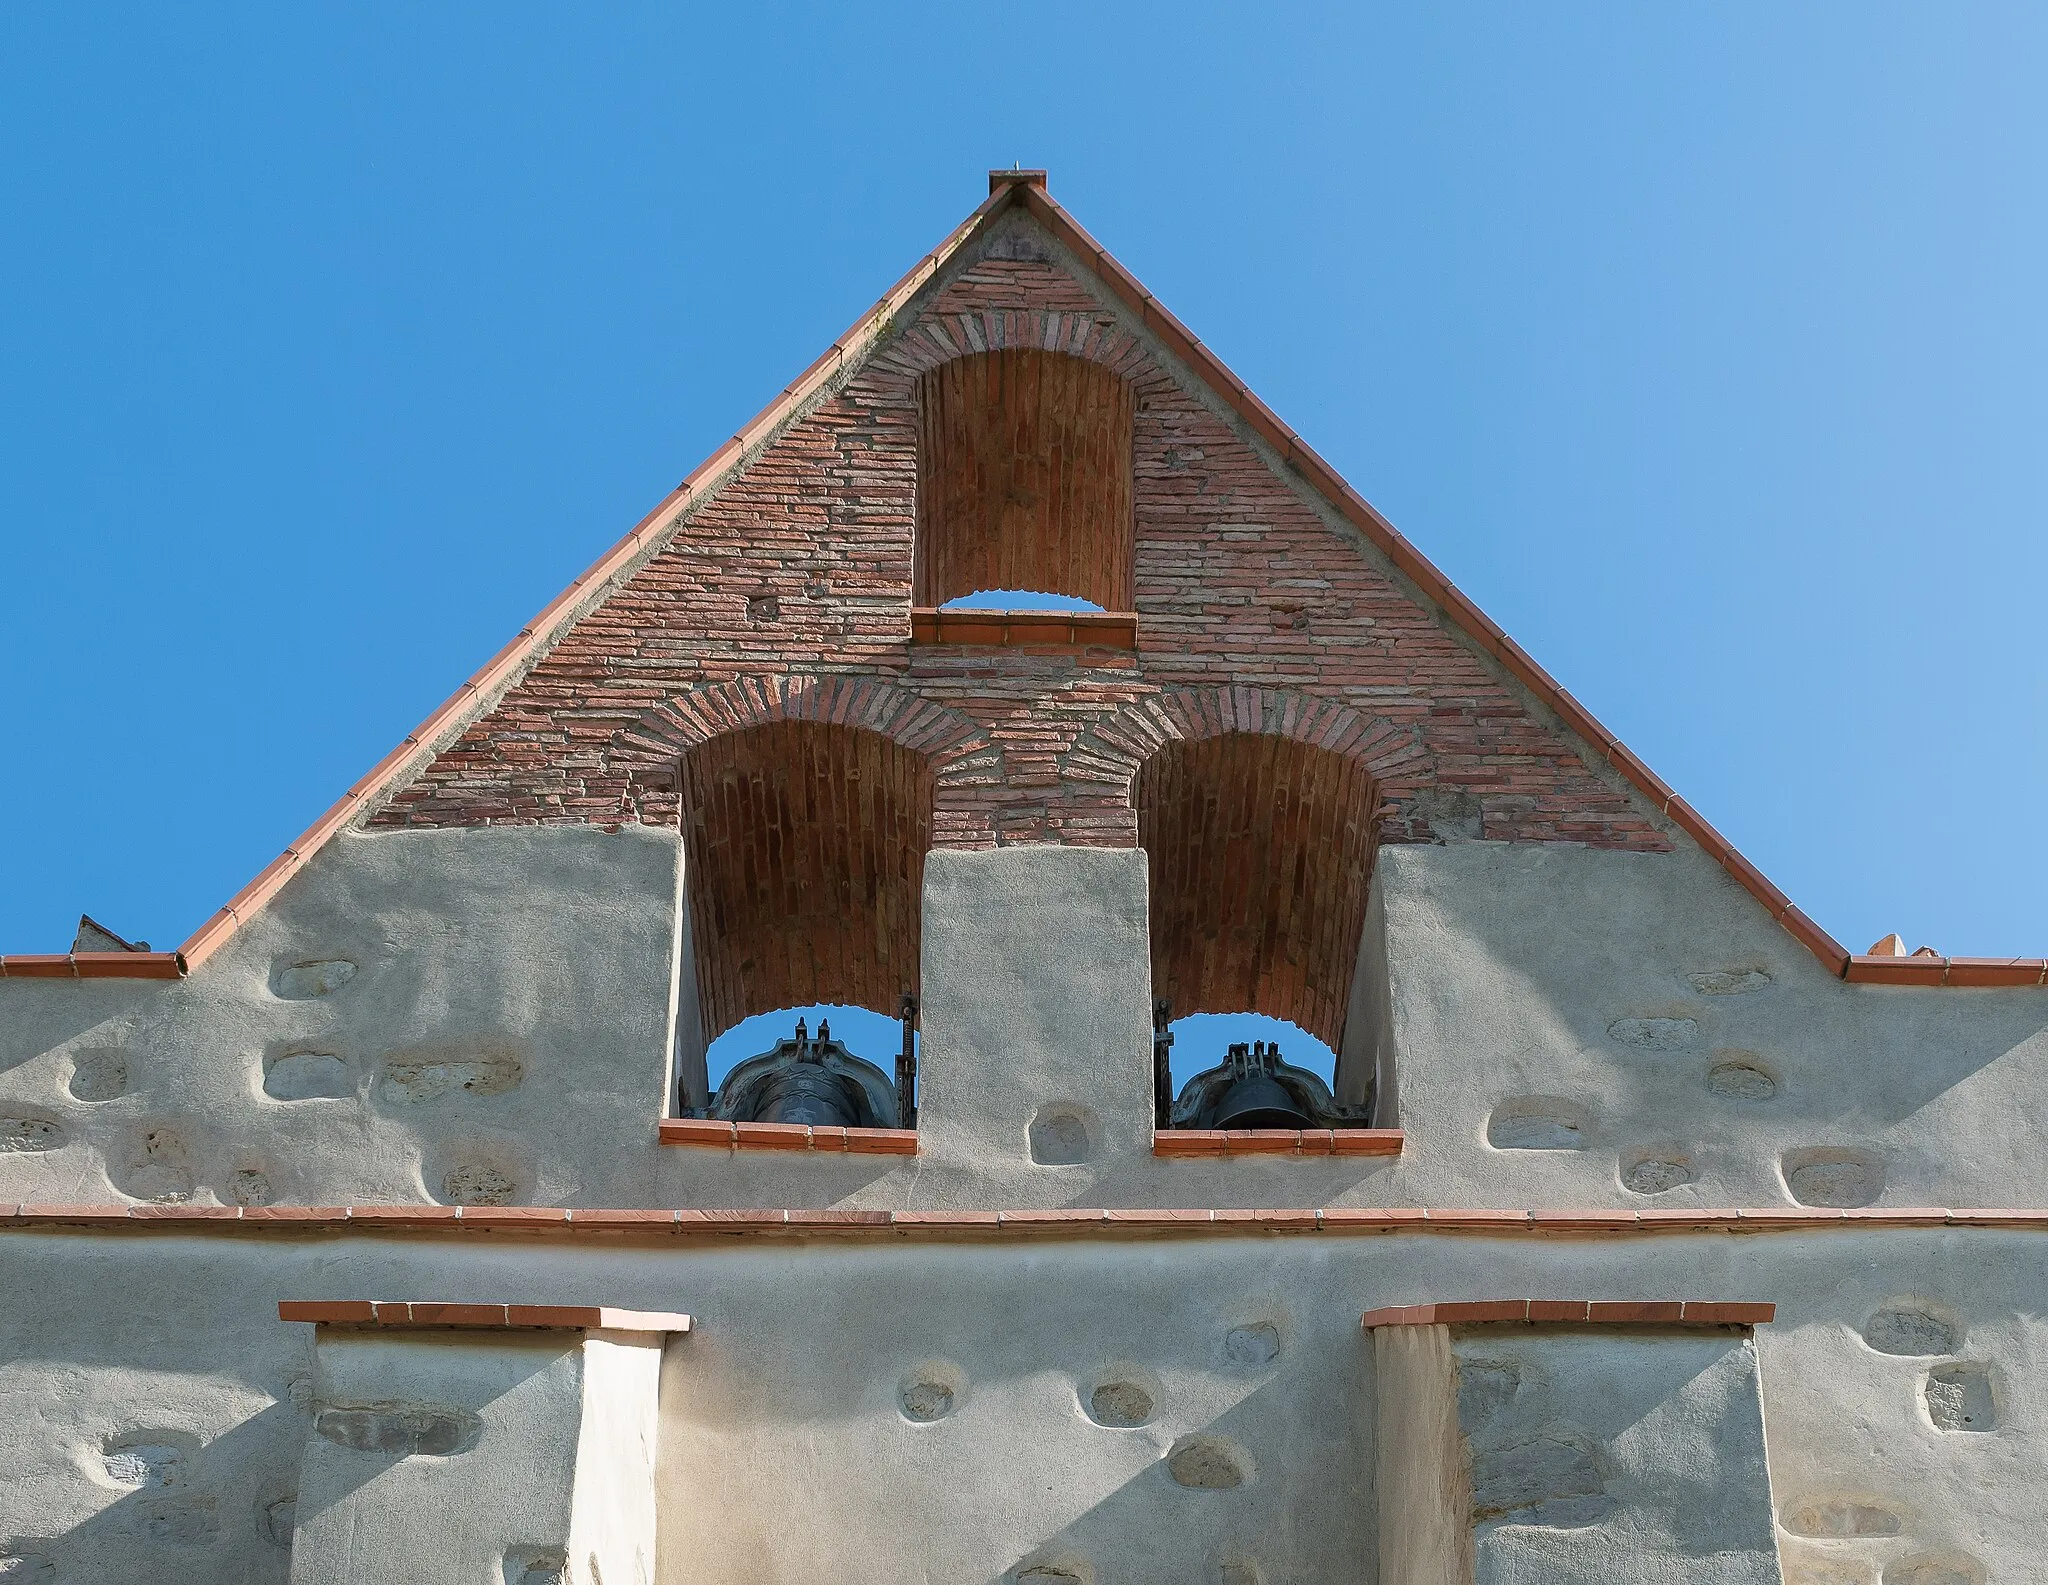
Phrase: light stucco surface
pixel 505 1032
pixel 783 1418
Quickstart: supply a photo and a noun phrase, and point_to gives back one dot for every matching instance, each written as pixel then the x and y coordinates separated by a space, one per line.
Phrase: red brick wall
pixel 797 577
pixel 1024 478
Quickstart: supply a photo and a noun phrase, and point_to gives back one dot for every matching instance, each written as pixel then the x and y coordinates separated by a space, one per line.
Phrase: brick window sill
pixel 1025 629
pixel 1587 1312
pixel 788 1136
pixel 1277 1142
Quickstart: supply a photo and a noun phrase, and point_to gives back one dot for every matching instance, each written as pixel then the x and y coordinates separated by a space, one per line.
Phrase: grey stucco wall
pixel 784 1435
pixel 1645 1005
pixel 1625 1455
pixel 506 1028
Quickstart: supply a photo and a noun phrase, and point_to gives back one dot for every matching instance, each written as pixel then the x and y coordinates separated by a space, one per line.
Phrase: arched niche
pixel 805 844
pixel 1260 853
pixel 1024 478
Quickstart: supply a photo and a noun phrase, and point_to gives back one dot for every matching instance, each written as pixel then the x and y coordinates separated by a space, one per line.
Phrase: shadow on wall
pixel 1023 1422
pixel 1689 1000
pixel 184 1508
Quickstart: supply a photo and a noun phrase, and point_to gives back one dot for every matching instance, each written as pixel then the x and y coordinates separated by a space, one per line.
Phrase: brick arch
pixel 940 735
pixel 939 337
pixel 1108 754
pixel 1259 848
pixel 806 841
pixel 1256 808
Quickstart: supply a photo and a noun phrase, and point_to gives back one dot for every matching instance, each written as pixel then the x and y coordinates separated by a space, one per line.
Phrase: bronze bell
pixel 1252 1087
pixel 807 1081
pixel 1258 1101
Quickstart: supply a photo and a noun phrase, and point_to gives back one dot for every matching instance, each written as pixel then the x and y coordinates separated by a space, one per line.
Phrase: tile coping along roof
pixel 1025 190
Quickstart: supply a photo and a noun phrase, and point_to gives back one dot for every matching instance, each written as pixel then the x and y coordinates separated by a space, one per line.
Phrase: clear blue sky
pixel 1702 345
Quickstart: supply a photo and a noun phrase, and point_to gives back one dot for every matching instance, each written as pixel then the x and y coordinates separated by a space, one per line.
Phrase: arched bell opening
pixel 1260 851
pixel 804 851
pixel 1024 481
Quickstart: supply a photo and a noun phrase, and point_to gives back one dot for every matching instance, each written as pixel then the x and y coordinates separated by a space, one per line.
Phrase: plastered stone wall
pixel 1628 1029
pixel 938 1407
pixel 1593 1456
pixel 482 1015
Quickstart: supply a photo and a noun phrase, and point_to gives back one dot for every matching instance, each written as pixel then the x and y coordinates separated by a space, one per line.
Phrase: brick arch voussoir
pixel 937 338
pixel 1110 753
pixel 943 736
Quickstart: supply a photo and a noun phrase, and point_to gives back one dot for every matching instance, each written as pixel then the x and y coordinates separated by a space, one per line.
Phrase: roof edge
pixel 1027 189
pixel 422 740
pixel 1425 575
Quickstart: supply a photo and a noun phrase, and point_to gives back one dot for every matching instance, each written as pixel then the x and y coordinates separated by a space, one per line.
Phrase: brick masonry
pixel 799 571
pixel 787 595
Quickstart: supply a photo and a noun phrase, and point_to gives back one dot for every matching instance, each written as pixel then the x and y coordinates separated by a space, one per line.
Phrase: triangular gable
pixel 1024 191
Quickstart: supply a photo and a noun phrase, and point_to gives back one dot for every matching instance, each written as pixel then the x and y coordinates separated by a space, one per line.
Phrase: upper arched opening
pixel 1024 478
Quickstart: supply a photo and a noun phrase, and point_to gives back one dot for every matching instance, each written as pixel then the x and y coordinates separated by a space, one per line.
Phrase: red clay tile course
pixel 414 1313
pixel 1212 1142
pixel 1589 1312
pixel 788 1136
pixel 378 1220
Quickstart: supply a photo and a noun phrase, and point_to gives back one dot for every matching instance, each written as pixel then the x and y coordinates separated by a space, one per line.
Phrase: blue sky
pixel 1703 346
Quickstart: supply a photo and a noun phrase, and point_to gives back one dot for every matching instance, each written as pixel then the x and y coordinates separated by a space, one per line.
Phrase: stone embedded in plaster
pixel 1062 1134
pixel 1485 1387
pixel 248 1186
pixel 542 1565
pixel 479 1182
pixel 931 1391
pixel 1657 1170
pixel 1833 1176
pixel 98 1075
pixel 1654 1034
pixel 1253 1345
pixel 1741 1076
pixel 311 977
pixel 277 1516
pixel 399 1428
pixel 1552 1479
pixel 1064 1569
pixel 29 1135
pixel 1911 1328
pixel 181 1521
pixel 143 1459
pixel 153 1168
pixel 1536 1123
pixel 308 1076
pixel 1839 1518
pixel 427 1073
pixel 1120 1404
pixel 1960 1397
pixel 1729 982
pixel 1949 1568
pixel 1206 1462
